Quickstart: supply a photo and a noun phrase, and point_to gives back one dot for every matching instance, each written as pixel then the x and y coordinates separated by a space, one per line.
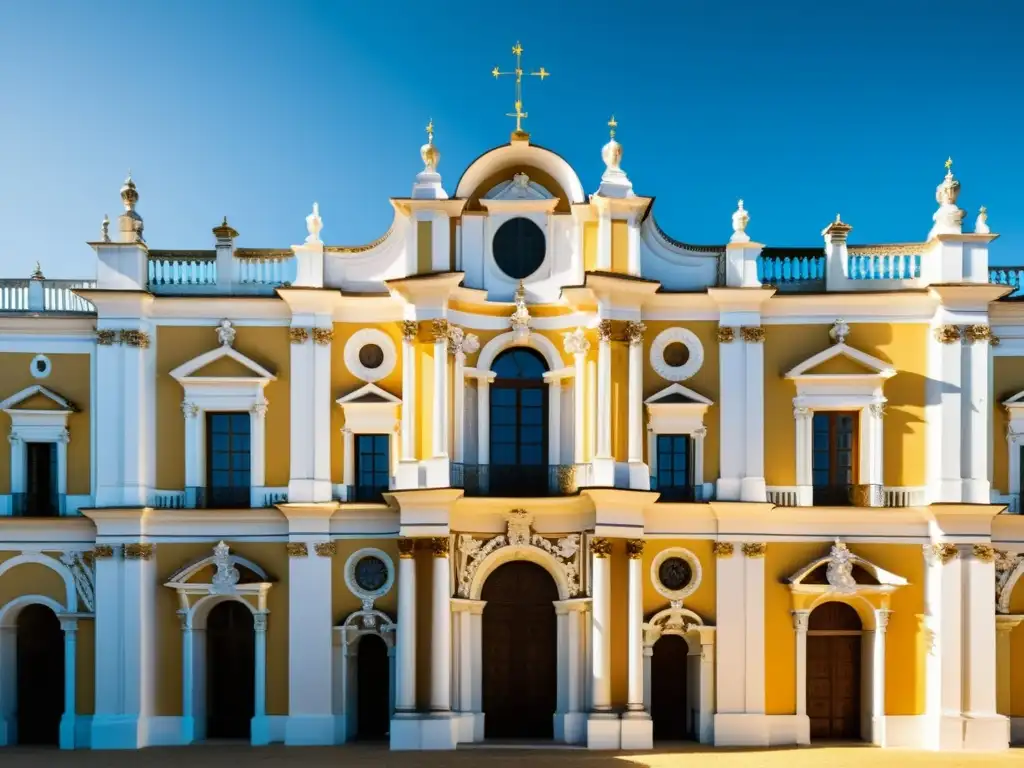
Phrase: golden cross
pixel 612 125
pixel 949 163
pixel 430 131
pixel 517 50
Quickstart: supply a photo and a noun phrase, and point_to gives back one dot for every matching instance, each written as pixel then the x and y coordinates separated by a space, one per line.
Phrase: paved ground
pixel 241 756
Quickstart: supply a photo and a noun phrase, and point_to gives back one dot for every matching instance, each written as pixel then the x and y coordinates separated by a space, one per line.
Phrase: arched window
pixel 519 419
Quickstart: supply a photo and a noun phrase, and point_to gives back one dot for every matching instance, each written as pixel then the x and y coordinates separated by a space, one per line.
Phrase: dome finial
pixel 948 218
pixel 428 152
pixel 129 193
pixel 740 219
pixel 612 125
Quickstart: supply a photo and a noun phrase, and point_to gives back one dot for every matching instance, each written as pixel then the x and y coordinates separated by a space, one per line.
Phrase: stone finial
pixel 129 223
pixel 981 223
pixel 836 231
pixel 105 229
pixel 740 219
pixel 949 190
pixel 520 319
pixel 428 152
pixel 428 181
pixel 37 273
pixel 129 193
pixel 314 224
pixel 948 218
pixel 224 231
pixel 614 181
pixel 840 330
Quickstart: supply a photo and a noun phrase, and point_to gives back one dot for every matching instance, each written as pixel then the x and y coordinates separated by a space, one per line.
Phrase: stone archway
pixel 834 672
pixel 349 678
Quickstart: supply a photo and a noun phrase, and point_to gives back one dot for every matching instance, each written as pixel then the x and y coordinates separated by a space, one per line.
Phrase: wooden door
pixel 833 672
pixel 373 683
pixel 40 683
pixel 230 673
pixel 519 652
pixel 669 709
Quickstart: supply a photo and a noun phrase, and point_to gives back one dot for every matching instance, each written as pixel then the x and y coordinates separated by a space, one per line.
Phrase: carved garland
pixel 726 335
pixel 138 551
pixel 106 338
pixel 980 333
pixel 601 548
pixel 326 548
pixel 943 553
pixel 323 336
pixel 752 334
pixel 440 546
pixel 1008 567
pixel 755 549
pixel 984 553
pixel 297 549
pixel 298 335
pixel 947 334
pixel 723 548
pixel 132 338
pixel 635 549
pixel 103 552
pixel 410 330
pixel 406 549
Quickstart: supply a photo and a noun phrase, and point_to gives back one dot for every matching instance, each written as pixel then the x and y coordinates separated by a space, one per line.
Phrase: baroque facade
pixel 525 466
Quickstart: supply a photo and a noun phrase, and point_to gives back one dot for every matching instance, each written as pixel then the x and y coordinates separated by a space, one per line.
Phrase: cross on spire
pixel 519 114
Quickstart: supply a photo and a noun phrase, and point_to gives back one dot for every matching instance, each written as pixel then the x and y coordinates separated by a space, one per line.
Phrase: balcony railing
pixel 37 504
pixel 235 497
pixel 1011 276
pixel 798 269
pixel 41 295
pixel 520 480
pixel 252 271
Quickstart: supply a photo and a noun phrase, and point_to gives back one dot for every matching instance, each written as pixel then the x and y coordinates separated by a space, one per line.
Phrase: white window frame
pixel 679 419
pixel 379 416
pixel 824 392
pixel 223 394
pixel 37 426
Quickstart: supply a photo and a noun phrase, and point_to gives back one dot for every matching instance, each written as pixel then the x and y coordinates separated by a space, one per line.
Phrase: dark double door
pixel 230 671
pixel 40 683
pixel 373 680
pixel 833 672
pixel 519 652
pixel 669 709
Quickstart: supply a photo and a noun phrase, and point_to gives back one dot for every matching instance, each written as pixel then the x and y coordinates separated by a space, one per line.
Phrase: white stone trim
pixel 536 341
pixel 43 426
pixel 679 419
pixel 34 369
pixel 372 418
pixel 361 338
pixel 676 372
pixel 346 667
pixel 696 572
pixel 368 597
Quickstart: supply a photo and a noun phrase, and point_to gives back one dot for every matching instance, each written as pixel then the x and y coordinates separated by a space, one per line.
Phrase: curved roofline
pixel 551 152
pixel 715 249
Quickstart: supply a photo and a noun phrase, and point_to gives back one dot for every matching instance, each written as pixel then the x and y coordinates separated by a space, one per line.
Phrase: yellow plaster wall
pixel 705 382
pixel 425 398
pixel 703 600
pixel 619 405
pixel 70 378
pixel 268 346
pixel 344 382
pixel 1016 650
pixel 904 345
pixel 1007 381
pixel 343 602
pixel 169 558
pixel 31 579
pixel 620 246
pixel 424 247
pixel 904 658
pixel 590 246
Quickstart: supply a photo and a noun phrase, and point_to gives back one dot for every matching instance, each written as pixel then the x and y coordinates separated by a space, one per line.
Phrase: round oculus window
pixel 371 573
pixel 676 354
pixel 675 573
pixel 519 248
pixel 371 356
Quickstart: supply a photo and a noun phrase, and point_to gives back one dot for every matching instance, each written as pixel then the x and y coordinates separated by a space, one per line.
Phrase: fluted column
pixel 405 689
pixel 601 591
pixel 441 626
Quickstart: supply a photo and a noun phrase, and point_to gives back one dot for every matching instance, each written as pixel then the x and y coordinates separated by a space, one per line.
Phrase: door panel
pixel 833 686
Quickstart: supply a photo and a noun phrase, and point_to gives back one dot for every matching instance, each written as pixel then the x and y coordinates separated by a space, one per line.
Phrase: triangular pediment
pixel 225 363
pixel 37 398
pixel 520 187
pixel 1017 400
pixel 677 394
pixel 842 360
pixel 369 393
pixel 849 572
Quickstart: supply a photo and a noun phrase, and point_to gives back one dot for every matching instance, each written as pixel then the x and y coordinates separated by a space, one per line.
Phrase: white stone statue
pixel 740 219
pixel 225 333
pixel 981 223
pixel 226 577
pixel 948 218
pixel 839 573
pixel 520 319
pixel 840 330
pixel 314 224
pixel 519 532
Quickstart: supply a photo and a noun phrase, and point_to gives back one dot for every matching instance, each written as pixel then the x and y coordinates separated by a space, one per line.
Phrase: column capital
pixel 439 546
pixel 406 549
pixel 882 619
pixel 410 330
pixel 601 548
pixel 635 548
pixel 604 331
pixel 801 620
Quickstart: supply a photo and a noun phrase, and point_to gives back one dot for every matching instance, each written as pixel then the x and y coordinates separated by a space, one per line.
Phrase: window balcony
pixel 37 504
pixel 675 493
pixel 522 480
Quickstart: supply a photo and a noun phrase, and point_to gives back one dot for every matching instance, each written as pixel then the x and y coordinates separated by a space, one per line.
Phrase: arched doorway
pixel 40 697
pixel 230 675
pixel 519 647
pixel 833 672
pixel 519 425
pixel 373 680
pixel 669 708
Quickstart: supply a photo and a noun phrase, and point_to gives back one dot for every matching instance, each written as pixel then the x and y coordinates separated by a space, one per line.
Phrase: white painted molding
pixel 688 339
pixel 696 573
pixel 361 338
pixel 369 596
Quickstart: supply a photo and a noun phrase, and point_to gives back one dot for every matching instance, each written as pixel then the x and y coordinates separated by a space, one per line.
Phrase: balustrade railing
pixel 869 264
pixel 33 295
pixel 182 269
pixel 1011 276
pixel 791 269
pixel 265 268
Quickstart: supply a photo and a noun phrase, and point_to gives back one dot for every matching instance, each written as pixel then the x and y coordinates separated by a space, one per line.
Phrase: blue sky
pixel 255 109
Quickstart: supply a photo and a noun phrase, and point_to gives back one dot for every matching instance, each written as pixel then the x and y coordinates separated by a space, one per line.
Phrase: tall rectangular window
pixel 675 468
pixel 227 460
pixel 834 457
pixel 373 467
pixel 40 498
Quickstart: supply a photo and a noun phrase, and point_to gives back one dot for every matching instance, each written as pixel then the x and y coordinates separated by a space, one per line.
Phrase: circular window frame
pixel 360 339
pixel 47 370
pixel 544 256
pixel 350 573
pixel 676 595
pixel 682 336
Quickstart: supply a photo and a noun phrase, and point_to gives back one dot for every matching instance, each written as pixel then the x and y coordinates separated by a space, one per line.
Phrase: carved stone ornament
pixel 189 409
pixel 297 549
pixel 326 548
pixel 226 577
pixel 138 551
pixel 839 573
pixel 106 337
pixel 132 338
pixel 406 549
pixel 260 407
pixel 440 328
pixel 947 334
pixel 882 618
pixel 604 330
pixel 674 620
pixel 723 548
pixel 471 552
pixel 740 220
pixel 840 330
pixel 755 549
pixel 752 334
pixel 801 620
pixel 984 553
pixel 410 330
pixel 601 548
pixel 634 331
pixel 439 546
pixel 103 552
pixel 323 336
pixel 298 335
pixel 941 553
pixel 974 334
pixel 1009 566
pixel 225 333
pixel 575 342
pixel 259 621
pixel 635 548
pixel 877 410
pixel 520 319
pixel 726 334
pixel 81 565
